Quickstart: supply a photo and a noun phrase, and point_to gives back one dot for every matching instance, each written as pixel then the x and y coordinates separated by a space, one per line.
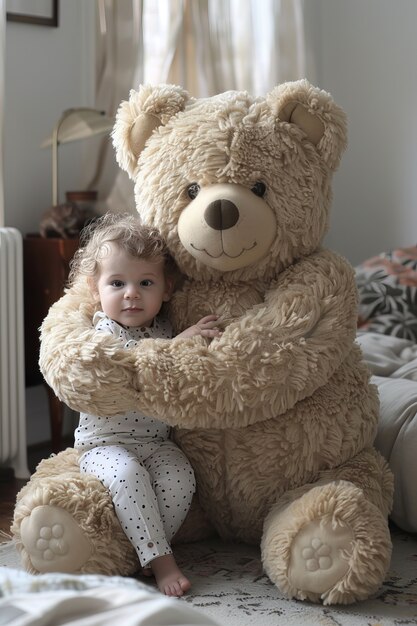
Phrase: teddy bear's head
pixel 236 184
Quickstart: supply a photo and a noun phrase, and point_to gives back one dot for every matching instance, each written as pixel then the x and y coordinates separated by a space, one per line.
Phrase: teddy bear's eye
pixel 259 189
pixel 193 190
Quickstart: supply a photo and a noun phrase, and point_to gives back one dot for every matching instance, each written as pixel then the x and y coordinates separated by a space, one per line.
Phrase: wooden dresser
pixel 46 267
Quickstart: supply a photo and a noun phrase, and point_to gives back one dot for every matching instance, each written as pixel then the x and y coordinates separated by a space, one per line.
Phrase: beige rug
pixel 230 587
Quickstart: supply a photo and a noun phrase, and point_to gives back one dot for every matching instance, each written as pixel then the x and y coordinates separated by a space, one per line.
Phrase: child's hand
pixel 206 327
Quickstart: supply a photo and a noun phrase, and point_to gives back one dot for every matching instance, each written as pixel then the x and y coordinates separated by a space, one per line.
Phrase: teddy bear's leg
pixel 331 543
pixel 70 526
pixel 65 522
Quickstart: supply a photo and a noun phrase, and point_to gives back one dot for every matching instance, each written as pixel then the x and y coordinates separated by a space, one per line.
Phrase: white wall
pixel 47 71
pixel 366 56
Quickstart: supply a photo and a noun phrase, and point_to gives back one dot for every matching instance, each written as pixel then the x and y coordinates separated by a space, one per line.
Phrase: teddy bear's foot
pixel 64 521
pixel 52 541
pixel 319 556
pixel 330 545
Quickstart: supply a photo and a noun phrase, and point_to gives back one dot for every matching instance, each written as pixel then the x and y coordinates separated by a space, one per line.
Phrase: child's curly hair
pixel 127 232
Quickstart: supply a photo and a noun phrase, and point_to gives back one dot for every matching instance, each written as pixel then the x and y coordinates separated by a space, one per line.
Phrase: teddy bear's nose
pixel 221 214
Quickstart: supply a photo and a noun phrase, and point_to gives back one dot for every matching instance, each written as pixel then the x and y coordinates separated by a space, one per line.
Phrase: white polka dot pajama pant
pixel 151 493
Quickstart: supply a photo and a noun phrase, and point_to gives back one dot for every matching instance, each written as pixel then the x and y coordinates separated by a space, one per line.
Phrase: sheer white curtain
pixel 207 46
pixel 2 72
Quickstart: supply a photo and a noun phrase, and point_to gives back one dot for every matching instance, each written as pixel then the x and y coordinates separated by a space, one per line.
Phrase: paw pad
pixel 51 542
pixel 317 555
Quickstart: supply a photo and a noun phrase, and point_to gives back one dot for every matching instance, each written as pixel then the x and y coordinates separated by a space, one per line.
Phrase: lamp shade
pixel 79 124
pixel 75 124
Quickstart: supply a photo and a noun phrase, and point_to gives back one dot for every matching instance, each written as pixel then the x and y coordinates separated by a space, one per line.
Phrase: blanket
pixel 393 363
pixel 88 600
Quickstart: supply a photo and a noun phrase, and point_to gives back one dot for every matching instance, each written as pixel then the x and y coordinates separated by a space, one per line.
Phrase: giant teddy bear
pixel 276 415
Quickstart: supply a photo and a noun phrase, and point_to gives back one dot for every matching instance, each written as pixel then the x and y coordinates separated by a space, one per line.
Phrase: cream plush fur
pixel 277 415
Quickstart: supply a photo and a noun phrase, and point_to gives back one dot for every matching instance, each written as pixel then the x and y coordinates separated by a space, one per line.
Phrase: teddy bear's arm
pixel 86 369
pixel 280 352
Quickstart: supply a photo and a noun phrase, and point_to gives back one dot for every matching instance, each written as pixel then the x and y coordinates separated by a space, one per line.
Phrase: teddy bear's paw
pixel 330 545
pixel 52 540
pixel 319 556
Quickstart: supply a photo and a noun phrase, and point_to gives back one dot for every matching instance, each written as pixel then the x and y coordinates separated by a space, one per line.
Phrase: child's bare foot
pixel 171 581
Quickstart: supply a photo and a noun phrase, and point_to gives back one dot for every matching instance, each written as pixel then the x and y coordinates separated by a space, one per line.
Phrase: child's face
pixel 131 291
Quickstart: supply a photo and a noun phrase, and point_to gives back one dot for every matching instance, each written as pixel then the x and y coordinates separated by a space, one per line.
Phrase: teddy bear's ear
pixel 315 112
pixel 137 118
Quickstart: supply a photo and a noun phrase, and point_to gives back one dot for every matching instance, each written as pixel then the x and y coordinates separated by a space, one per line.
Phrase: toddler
pixel 150 480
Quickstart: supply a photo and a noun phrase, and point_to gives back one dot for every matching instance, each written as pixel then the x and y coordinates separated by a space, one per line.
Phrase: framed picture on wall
pixel 41 12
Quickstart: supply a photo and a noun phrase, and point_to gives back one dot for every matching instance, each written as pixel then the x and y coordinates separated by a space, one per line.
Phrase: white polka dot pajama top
pixel 150 480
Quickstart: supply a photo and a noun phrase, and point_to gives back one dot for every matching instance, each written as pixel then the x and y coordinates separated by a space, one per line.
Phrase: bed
pixel 387 334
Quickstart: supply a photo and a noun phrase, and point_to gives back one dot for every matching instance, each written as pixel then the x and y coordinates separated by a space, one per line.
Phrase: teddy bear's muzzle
pixel 227 227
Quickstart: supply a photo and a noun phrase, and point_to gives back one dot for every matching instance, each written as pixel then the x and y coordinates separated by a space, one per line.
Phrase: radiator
pixel 13 445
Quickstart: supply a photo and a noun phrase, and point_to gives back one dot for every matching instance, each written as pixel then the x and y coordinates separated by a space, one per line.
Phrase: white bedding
pixel 88 600
pixel 393 363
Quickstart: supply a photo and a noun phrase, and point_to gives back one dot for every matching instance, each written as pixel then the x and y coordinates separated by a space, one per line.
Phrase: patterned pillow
pixel 387 286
